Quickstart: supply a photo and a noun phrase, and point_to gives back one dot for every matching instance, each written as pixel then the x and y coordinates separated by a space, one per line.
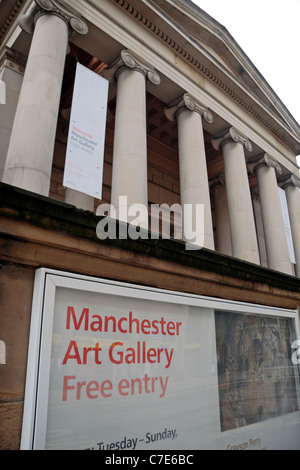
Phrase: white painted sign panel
pixel 85 147
pixel 114 366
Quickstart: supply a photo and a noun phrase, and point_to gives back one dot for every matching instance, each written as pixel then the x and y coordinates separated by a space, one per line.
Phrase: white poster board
pixel 117 367
pixel 85 146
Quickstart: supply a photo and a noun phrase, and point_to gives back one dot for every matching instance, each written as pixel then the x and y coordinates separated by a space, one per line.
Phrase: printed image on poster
pixel 255 371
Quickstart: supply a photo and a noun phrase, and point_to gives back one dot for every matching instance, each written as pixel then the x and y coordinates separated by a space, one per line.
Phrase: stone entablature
pixel 236 91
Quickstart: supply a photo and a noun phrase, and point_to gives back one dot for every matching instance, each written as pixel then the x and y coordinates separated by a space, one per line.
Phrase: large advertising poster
pixel 128 373
pixel 121 367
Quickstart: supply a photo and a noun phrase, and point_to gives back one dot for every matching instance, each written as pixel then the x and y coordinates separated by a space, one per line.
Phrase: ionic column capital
pixel 231 135
pixel 187 103
pixel 217 181
pixel 263 160
pixel 128 61
pixel 289 180
pixel 59 8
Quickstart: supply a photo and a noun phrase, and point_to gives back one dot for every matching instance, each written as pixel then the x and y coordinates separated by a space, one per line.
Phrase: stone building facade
pixel 190 121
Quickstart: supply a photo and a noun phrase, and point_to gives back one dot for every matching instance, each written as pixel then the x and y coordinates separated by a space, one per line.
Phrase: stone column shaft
pixel 12 65
pixel 129 175
pixel 273 223
pixel 194 186
pixel 241 217
pixel 30 153
pixel 129 171
pixel 223 236
pixel 292 191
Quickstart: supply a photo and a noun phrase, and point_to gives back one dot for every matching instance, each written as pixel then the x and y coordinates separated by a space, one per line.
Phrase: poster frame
pixel 40 341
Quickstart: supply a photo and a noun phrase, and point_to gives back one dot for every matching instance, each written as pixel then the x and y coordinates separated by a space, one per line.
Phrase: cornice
pixel 208 72
pixel 12 16
pixel 232 53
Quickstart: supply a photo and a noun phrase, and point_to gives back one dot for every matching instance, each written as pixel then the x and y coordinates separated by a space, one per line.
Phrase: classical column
pixel 12 66
pixel 29 158
pixel 241 217
pixel 223 236
pixel 194 186
pixel 129 170
pixel 291 185
pixel 273 223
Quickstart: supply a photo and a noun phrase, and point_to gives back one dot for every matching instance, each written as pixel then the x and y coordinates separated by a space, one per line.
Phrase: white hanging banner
pixel 85 146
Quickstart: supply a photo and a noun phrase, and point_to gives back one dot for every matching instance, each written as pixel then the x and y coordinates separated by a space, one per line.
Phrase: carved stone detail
pixel 217 181
pixel 231 135
pixel 126 61
pixel 13 60
pixel 289 180
pixel 263 160
pixel 187 103
pixel 55 7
